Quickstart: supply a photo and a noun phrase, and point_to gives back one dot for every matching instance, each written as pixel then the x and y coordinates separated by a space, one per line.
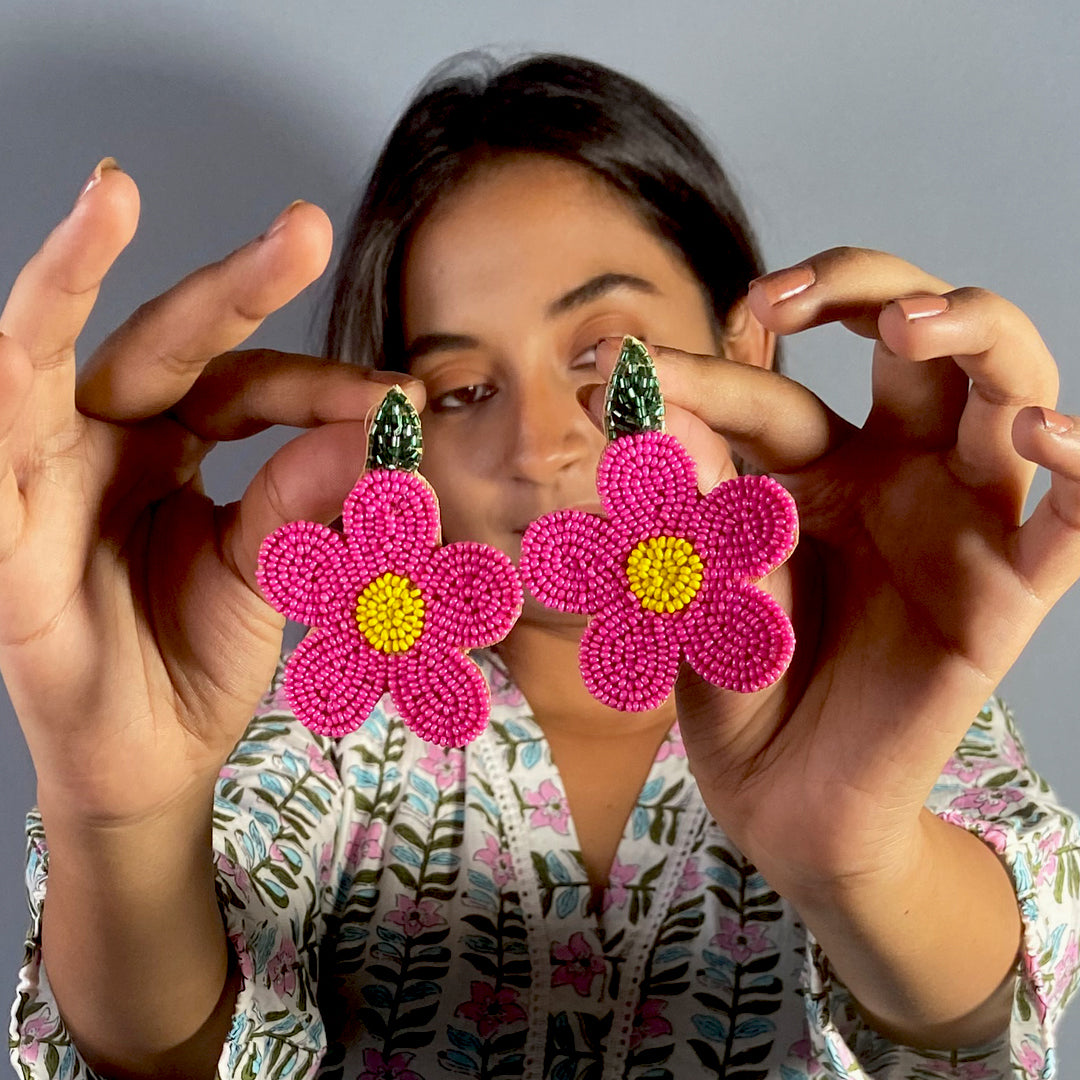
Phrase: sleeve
pixel 989 788
pixel 276 811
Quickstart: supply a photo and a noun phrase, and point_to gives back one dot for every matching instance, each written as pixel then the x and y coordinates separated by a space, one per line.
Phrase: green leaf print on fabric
pixel 742 990
pixel 372 794
pixel 410 959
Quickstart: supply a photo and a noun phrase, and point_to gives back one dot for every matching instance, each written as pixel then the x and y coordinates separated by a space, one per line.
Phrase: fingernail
pixel 607 352
pixel 279 222
pixel 1056 423
pixel 784 284
pixel 106 164
pixel 921 307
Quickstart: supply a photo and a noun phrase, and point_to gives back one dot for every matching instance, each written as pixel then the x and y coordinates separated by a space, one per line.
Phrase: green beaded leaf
pixel 395 440
pixel 633 403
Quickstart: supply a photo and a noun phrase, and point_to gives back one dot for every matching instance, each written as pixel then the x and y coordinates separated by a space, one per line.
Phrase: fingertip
pixel 290 255
pixel 1048 438
pixel 1038 422
pixel 1052 421
pixel 906 326
pixel 125 203
pixel 413 388
pixel 591 399
pixel 308 232
pixel 111 192
pixel 607 353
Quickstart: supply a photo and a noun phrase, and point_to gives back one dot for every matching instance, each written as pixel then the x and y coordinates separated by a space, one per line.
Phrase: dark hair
pixel 473 109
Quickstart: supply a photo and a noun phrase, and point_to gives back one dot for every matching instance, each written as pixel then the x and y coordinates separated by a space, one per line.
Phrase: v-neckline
pixel 523 748
pixel 565 942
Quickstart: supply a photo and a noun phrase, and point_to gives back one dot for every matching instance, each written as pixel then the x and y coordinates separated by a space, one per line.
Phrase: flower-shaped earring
pixel 391 609
pixel 668 573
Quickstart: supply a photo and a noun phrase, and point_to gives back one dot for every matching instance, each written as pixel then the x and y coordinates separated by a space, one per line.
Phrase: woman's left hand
pixel 915 585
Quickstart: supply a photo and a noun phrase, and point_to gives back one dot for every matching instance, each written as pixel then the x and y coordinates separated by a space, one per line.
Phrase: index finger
pixel 769 419
pixel 242 393
pixel 843 284
pixel 150 362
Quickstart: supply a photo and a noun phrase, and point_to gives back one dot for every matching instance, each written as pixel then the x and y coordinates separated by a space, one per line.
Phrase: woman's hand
pixel 915 586
pixel 133 638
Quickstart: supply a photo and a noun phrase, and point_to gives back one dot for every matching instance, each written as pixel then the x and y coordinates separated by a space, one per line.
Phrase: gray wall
pixel 945 133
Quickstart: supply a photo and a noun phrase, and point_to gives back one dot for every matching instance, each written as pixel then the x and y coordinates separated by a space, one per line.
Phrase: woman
pixel 783 884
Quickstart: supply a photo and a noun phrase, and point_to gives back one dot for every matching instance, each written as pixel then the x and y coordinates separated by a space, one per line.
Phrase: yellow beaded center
pixel 390 613
pixel 664 573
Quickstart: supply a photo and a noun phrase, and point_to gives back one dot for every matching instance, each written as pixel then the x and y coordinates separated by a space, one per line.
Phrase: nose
pixel 552 433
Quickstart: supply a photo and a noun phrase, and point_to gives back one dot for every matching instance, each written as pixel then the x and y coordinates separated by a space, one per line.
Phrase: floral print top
pixel 404 912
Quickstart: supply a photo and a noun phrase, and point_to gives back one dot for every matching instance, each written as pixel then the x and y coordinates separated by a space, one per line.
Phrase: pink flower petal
pixel 391 520
pixel 475 595
pixel 333 681
pixel 738 638
pixel 749 525
pixel 628 658
pixel 441 695
pixel 304 573
pixel 647 483
pixel 570 561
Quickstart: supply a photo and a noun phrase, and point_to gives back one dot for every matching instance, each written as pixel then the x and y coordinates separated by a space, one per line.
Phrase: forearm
pixel 929 955
pixel 133 941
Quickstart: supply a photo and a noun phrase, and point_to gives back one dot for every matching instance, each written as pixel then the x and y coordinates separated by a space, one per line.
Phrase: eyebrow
pixel 596 287
pixel 585 293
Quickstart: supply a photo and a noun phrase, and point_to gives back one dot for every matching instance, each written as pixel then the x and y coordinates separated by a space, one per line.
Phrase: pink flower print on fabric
pixel 39 1027
pixel 1048 851
pixel 414 918
pixel 672 746
pixel 491 1009
pixel 575 964
pixel 550 808
pixel 648 1023
pixel 500 861
pixel 968 1070
pixel 667 574
pixel 281 971
pixel 391 610
pixel 392 1067
pixel 988 802
pixel 363 843
pixel 741 942
pixel 690 880
pixel 446 765
pixel 968 771
pixel 319 765
pixel 615 895
pixel 236 874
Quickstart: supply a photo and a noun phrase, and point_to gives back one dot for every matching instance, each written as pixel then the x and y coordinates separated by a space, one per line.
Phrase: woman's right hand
pixel 134 641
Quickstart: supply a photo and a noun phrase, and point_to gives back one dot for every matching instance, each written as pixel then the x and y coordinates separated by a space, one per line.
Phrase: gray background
pixel 947 133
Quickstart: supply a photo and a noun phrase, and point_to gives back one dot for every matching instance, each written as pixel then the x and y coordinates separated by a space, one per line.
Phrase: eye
pixel 586 359
pixel 461 397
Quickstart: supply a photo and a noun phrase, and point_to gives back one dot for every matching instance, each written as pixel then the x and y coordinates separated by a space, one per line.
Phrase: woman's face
pixel 506 287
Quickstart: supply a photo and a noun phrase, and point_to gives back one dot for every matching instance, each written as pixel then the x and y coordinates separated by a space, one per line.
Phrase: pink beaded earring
pixel 390 608
pixel 669 572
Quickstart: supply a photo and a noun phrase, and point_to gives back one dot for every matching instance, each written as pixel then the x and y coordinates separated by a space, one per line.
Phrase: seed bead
pixel 390 613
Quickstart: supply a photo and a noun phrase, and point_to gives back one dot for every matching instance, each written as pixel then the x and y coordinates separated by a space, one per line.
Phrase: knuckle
pixel 848 256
